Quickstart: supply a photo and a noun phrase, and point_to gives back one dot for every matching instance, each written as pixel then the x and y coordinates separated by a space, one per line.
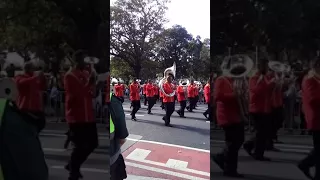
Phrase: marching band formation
pixel 168 92
pixel 260 97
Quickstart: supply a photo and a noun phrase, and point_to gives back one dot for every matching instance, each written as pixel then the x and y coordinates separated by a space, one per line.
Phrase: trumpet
pixel 169 71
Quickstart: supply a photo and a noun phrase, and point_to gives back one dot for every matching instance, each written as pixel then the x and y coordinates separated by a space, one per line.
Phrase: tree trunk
pixel 137 70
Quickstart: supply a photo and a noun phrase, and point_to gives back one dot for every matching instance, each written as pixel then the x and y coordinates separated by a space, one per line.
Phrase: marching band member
pixel 156 92
pixel 135 98
pixel 207 99
pixel 30 86
pixel 161 99
pixel 144 93
pixel 182 99
pixel 230 118
pixel 168 101
pixel 260 90
pixel 149 94
pixel 310 105
pixel 191 96
pixel 196 95
pixel 119 91
pixel 79 85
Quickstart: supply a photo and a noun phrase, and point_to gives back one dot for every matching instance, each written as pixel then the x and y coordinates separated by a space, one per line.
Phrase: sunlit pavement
pixel 156 151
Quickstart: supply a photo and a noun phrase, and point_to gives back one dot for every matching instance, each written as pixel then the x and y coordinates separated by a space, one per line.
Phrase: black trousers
pixel 85 139
pixel 145 99
pixel 263 127
pixel 169 107
pixel 118 169
pixel 151 102
pixel 277 121
pixel 183 105
pixel 313 158
pixel 162 105
pixel 234 138
pixel 208 112
pixel 191 105
pixel 135 108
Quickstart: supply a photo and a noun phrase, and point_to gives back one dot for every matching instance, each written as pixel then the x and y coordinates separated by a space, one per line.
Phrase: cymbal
pixel 8 89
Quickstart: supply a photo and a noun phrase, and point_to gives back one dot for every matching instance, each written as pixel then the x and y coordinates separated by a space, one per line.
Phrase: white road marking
pixel 176 164
pixel 172 145
pixel 85 169
pixel 140 155
pixel 62 135
pixel 132 177
pixel 171 173
pixel 139 115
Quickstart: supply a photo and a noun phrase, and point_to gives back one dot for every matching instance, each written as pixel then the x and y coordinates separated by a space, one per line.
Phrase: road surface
pixel 283 164
pixel 156 151
pixel 52 139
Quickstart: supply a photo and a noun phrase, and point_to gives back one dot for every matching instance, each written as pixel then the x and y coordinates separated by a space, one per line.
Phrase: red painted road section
pixel 197 160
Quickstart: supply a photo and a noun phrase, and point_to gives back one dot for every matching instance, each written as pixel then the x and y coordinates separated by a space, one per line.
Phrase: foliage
pixel 287 26
pixel 135 26
pixel 53 29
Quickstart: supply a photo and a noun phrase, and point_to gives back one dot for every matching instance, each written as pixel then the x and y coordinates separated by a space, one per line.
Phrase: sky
pixel 194 15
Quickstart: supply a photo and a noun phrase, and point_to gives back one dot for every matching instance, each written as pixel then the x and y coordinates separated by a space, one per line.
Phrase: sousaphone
pixel 279 67
pixel 237 66
pixel 169 71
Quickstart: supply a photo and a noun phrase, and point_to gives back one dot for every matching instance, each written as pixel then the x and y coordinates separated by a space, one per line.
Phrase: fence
pixel 54 106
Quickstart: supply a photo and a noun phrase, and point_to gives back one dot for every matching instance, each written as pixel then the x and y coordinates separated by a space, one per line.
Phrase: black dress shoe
pixel 305 170
pixel 77 176
pixel 248 149
pixel 259 158
pixel 233 174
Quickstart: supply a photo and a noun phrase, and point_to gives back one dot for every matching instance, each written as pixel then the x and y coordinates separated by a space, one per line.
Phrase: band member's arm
pixel 167 89
pixel 23 81
pixel 133 90
pixel 69 85
pixel 220 94
pixel 256 87
pixel 311 92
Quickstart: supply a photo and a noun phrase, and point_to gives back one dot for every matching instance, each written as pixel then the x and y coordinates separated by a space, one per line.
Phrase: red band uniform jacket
pixel 181 94
pixel 191 91
pixel 168 89
pixel 149 90
pixel 119 90
pixel 79 94
pixel 207 93
pixel 30 92
pixel 134 92
pixel 311 101
pixel 260 93
pixel 228 109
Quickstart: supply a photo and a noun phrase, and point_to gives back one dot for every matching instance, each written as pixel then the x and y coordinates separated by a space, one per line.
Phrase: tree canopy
pixel 139 39
pixel 54 29
pixel 287 27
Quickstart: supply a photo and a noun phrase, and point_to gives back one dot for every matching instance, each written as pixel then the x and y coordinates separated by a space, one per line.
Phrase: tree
pixel 54 29
pixel 135 26
pixel 173 46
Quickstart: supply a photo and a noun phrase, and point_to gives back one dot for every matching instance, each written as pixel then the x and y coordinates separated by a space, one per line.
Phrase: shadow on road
pixel 201 131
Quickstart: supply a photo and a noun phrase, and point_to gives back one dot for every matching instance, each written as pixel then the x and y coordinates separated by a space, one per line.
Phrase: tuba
pixel 169 71
pixel 239 67
pixel 184 83
pixel 279 67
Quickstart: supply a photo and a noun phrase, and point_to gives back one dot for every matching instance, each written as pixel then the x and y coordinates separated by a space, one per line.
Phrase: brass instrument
pixel 169 71
pixel 184 83
pixel 238 67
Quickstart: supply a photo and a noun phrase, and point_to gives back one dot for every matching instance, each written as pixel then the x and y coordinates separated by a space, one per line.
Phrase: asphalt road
pixel 283 164
pixel 96 167
pixel 192 131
